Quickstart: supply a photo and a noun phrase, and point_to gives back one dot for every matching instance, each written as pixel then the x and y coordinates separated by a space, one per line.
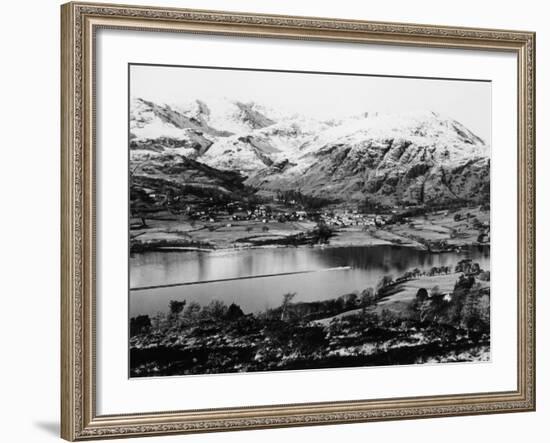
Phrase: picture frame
pixel 80 177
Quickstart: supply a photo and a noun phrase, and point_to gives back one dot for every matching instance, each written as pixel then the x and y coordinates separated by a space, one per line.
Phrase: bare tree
pixel 287 298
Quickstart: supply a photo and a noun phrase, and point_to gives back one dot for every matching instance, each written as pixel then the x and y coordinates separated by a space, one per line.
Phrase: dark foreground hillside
pixel 358 329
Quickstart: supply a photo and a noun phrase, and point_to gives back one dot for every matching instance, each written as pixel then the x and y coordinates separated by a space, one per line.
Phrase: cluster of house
pixel 264 213
pixel 336 219
pixel 353 218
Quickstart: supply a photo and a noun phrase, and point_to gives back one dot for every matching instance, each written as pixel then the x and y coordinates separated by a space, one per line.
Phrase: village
pixel 265 214
pixel 214 224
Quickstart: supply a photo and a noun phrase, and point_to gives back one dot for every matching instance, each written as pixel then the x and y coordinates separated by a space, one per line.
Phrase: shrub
pixel 387 318
pixel 234 312
pixel 215 310
pixel 192 312
pixel 140 325
pixel 384 281
pixel 421 295
pixel 367 297
pixel 310 339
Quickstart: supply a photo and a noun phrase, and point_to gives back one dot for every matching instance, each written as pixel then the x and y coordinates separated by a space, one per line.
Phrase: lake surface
pixel 367 265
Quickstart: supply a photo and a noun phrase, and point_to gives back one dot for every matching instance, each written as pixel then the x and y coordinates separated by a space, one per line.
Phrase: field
pixel 442 226
pixel 165 230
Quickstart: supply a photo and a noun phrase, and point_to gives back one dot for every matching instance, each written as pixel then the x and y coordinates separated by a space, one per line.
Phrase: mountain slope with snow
pixel 392 159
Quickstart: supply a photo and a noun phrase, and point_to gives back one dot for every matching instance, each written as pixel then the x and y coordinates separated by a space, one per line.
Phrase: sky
pixel 322 96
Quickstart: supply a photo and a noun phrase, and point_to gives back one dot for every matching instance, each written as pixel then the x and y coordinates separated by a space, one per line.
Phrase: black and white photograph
pixel 289 220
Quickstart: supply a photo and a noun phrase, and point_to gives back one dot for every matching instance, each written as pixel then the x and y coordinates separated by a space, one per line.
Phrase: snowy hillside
pixel 390 158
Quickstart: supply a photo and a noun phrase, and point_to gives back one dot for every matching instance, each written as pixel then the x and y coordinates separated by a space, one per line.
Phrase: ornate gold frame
pixel 79 420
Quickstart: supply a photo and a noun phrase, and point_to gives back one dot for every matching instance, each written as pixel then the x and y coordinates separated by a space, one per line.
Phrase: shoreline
pixel 370 328
pixel 418 246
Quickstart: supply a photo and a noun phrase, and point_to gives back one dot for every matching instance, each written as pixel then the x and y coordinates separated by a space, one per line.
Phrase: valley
pixel 261 240
pixel 238 175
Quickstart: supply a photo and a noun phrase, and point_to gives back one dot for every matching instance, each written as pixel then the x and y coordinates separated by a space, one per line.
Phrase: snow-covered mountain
pixel 389 158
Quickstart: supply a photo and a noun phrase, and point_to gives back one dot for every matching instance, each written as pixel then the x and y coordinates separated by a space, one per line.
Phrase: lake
pixel 367 264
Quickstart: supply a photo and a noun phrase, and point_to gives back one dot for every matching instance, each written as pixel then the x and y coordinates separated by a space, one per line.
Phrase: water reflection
pixel 368 265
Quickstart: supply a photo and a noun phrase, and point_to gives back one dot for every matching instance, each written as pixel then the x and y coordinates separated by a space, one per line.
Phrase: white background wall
pixel 29 218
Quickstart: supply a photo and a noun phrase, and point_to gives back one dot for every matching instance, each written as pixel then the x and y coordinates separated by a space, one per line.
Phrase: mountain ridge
pixel 390 159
